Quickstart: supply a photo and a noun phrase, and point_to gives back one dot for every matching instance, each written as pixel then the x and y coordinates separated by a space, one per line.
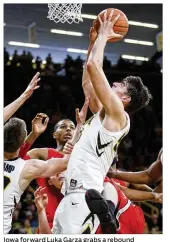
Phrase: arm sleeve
pixel 23 151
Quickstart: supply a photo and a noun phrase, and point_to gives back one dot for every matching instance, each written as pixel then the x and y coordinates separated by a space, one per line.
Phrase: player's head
pixel 56 181
pixel 133 93
pixel 15 132
pixel 63 131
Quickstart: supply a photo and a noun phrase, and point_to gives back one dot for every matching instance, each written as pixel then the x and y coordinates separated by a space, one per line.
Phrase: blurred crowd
pixel 61 92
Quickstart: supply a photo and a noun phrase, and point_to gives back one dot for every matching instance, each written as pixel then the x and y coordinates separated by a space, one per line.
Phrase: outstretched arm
pixel 14 106
pixel 41 201
pixel 139 196
pixel 94 104
pixel 149 176
pixel 109 99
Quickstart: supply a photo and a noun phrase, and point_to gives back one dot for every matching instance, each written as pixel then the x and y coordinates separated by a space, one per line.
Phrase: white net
pixel 66 12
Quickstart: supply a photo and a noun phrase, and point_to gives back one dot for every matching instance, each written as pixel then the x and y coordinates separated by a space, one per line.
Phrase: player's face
pixel 120 88
pixel 64 131
pixel 57 180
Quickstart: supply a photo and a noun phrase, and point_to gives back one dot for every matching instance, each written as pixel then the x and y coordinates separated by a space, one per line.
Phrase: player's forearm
pixel 31 138
pixel 131 177
pixel 76 134
pixel 13 107
pixel 141 187
pixel 97 52
pixel 138 196
pixel 87 86
pixel 43 223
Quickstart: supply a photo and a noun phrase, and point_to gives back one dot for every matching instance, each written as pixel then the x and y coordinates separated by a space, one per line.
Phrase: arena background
pixel 61 90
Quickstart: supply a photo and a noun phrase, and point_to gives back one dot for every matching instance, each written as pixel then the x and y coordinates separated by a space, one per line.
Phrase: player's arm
pixel 38 127
pixel 41 201
pixel 95 105
pixel 109 99
pixel 149 176
pixel 139 196
pixel 38 153
pixel 141 187
pixel 38 168
pixel 14 106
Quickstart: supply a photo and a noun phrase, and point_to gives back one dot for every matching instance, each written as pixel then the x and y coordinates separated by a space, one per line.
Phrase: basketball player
pixel 63 132
pixel 93 154
pixel 150 176
pixel 42 200
pixel 14 106
pixel 18 173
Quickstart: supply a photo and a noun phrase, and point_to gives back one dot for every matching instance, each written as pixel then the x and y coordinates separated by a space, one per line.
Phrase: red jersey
pixel 120 182
pixel 130 217
pixel 54 195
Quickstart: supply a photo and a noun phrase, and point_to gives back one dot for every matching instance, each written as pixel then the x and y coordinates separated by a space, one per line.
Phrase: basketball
pixel 120 27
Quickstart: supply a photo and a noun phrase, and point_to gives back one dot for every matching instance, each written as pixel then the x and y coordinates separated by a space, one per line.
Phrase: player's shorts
pixel 73 216
pixel 132 221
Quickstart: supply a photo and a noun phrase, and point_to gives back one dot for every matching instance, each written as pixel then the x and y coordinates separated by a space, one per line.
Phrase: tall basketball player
pixel 93 154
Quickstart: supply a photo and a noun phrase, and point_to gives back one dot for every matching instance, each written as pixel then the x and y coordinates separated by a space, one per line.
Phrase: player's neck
pixel 60 148
pixel 9 156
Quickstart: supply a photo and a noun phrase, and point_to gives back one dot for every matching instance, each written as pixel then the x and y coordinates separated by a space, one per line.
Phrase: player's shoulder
pixel 53 153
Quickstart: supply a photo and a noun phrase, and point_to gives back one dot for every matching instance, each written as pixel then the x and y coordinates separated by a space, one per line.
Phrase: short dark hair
pixel 57 124
pixel 15 132
pixel 139 93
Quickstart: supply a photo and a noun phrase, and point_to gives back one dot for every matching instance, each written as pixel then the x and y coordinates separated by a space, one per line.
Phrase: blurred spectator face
pixel 64 131
pixel 32 207
pixel 154 218
pixel 120 88
pixel 19 206
pixel 27 223
pixel 56 180
pixel 29 215
pixel 29 197
pixel 155 230
pixel 15 215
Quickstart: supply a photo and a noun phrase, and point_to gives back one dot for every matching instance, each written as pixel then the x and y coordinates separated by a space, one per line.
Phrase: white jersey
pixel 12 191
pixel 92 156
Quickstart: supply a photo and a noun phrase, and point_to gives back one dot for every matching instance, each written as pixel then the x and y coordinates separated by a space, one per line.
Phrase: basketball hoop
pixel 66 12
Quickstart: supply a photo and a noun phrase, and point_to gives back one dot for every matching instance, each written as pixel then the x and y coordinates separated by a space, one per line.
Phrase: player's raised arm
pixel 14 106
pixel 39 125
pixel 41 201
pixel 109 99
pixel 94 104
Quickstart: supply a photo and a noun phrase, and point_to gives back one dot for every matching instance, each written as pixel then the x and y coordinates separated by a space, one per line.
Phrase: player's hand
pixel 158 197
pixel 92 34
pixel 81 116
pixel 106 26
pixel 38 126
pixel 68 147
pixel 41 199
pixel 33 85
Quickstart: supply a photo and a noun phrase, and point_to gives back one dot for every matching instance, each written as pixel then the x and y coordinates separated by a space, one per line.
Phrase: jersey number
pixel 6 181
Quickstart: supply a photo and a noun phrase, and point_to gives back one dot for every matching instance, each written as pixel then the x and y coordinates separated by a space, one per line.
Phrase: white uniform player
pixel 12 190
pixel 89 163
